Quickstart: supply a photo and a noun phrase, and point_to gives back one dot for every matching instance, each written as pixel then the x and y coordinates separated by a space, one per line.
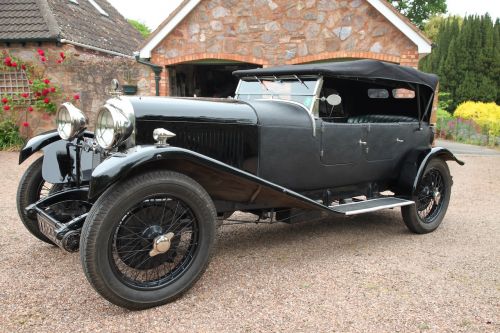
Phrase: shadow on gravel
pixel 335 231
pixel 367 228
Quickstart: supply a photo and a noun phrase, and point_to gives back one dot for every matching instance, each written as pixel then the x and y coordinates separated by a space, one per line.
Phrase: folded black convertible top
pixel 357 69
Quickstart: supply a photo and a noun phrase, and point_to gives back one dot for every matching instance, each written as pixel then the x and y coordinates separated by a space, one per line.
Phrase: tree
pixel 141 27
pixel 467 59
pixel 431 28
pixel 419 11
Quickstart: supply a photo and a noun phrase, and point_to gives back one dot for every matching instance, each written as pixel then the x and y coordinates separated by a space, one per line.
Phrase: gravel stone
pixel 361 274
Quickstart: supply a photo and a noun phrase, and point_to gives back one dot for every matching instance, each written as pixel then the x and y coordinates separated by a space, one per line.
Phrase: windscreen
pixel 301 90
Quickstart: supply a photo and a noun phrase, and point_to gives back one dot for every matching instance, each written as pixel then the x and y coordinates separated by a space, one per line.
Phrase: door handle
pixel 398 140
pixel 363 143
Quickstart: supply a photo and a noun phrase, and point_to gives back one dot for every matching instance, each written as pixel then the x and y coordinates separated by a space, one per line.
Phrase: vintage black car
pixel 143 195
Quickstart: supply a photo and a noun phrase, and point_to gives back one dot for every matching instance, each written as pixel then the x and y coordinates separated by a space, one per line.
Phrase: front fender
pixel 220 180
pixel 36 143
pixel 42 140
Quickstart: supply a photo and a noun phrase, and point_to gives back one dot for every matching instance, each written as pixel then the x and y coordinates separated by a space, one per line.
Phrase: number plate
pixel 47 228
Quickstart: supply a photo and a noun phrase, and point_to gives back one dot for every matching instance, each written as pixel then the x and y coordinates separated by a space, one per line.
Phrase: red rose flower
pixel 8 59
pixel 43 59
pixel 37 94
pixel 30 81
pixel 25 95
pixel 41 52
pixel 6 107
pixel 45 92
pixel 46 101
pixel 26 124
pixel 30 108
pixel 13 64
pixel 62 55
pixel 59 61
pixel 5 100
pixel 53 89
pixel 46 81
pixel 23 67
pixel 76 97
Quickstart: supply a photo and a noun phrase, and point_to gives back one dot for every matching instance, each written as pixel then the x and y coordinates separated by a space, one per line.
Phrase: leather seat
pixel 380 118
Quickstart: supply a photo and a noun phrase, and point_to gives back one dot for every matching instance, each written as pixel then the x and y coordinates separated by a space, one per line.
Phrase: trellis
pixel 13 84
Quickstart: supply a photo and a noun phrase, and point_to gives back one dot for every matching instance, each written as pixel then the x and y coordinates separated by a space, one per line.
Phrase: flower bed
pixel 473 123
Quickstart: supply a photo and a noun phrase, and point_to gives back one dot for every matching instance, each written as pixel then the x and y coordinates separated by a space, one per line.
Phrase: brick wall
pixel 274 32
pixel 83 72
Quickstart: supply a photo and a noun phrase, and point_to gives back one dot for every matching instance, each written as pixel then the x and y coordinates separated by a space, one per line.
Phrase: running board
pixel 371 205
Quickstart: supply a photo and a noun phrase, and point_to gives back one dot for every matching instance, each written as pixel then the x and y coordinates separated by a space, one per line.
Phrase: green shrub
pixel 443 114
pixel 443 118
pixel 9 135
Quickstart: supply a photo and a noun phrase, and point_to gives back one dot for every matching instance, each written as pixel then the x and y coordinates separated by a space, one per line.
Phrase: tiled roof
pixel 64 20
pixel 23 20
pixel 82 23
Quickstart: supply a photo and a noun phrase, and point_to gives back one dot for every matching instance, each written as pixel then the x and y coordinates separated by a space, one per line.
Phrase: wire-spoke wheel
pixel 32 188
pixel 430 191
pixel 148 239
pixel 136 256
pixel 432 196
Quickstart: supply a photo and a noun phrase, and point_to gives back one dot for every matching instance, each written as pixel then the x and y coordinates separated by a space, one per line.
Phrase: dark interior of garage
pixel 205 79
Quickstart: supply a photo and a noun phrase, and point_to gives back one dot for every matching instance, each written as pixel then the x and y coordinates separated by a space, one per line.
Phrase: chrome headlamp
pixel 113 126
pixel 70 121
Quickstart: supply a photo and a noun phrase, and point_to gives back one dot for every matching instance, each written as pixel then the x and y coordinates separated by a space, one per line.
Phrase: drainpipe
pixel 157 69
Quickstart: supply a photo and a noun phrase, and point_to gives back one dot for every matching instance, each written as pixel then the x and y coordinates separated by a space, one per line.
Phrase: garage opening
pixel 207 78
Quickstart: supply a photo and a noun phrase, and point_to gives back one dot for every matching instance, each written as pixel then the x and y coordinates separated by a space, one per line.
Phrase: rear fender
pixel 220 180
pixel 415 164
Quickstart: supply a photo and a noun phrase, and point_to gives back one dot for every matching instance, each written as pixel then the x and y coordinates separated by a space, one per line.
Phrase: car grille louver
pixel 224 144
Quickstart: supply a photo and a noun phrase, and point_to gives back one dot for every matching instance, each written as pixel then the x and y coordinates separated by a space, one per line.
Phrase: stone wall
pixel 274 32
pixel 83 72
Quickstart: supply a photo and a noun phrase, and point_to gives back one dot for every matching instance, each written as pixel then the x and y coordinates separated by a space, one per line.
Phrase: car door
pixel 385 146
pixel 341 143
pixel 382 141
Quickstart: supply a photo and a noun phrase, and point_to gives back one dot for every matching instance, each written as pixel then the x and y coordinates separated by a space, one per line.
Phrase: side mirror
pixel 334 100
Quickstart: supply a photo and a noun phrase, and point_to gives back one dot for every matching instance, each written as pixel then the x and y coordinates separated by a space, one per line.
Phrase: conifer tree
pixel 467 59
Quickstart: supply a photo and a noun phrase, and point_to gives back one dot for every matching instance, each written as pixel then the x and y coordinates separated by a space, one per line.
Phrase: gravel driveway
pixel 361 274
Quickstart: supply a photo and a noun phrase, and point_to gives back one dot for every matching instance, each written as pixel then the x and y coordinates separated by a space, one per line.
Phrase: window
pixel 99 8
pixel 286 88
pixel 403 93
pixel 378 93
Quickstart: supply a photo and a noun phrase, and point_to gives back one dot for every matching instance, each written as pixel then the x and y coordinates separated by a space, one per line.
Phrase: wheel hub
pixel 161 244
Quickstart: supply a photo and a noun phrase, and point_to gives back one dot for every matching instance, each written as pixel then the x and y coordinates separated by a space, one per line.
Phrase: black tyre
pixel 32 188
pixel 431 197
pixel 164 208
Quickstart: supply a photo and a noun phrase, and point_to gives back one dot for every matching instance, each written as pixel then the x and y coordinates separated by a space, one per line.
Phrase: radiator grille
pixel 225 143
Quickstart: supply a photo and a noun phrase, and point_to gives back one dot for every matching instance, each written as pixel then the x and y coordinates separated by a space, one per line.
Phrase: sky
pixel 153 12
